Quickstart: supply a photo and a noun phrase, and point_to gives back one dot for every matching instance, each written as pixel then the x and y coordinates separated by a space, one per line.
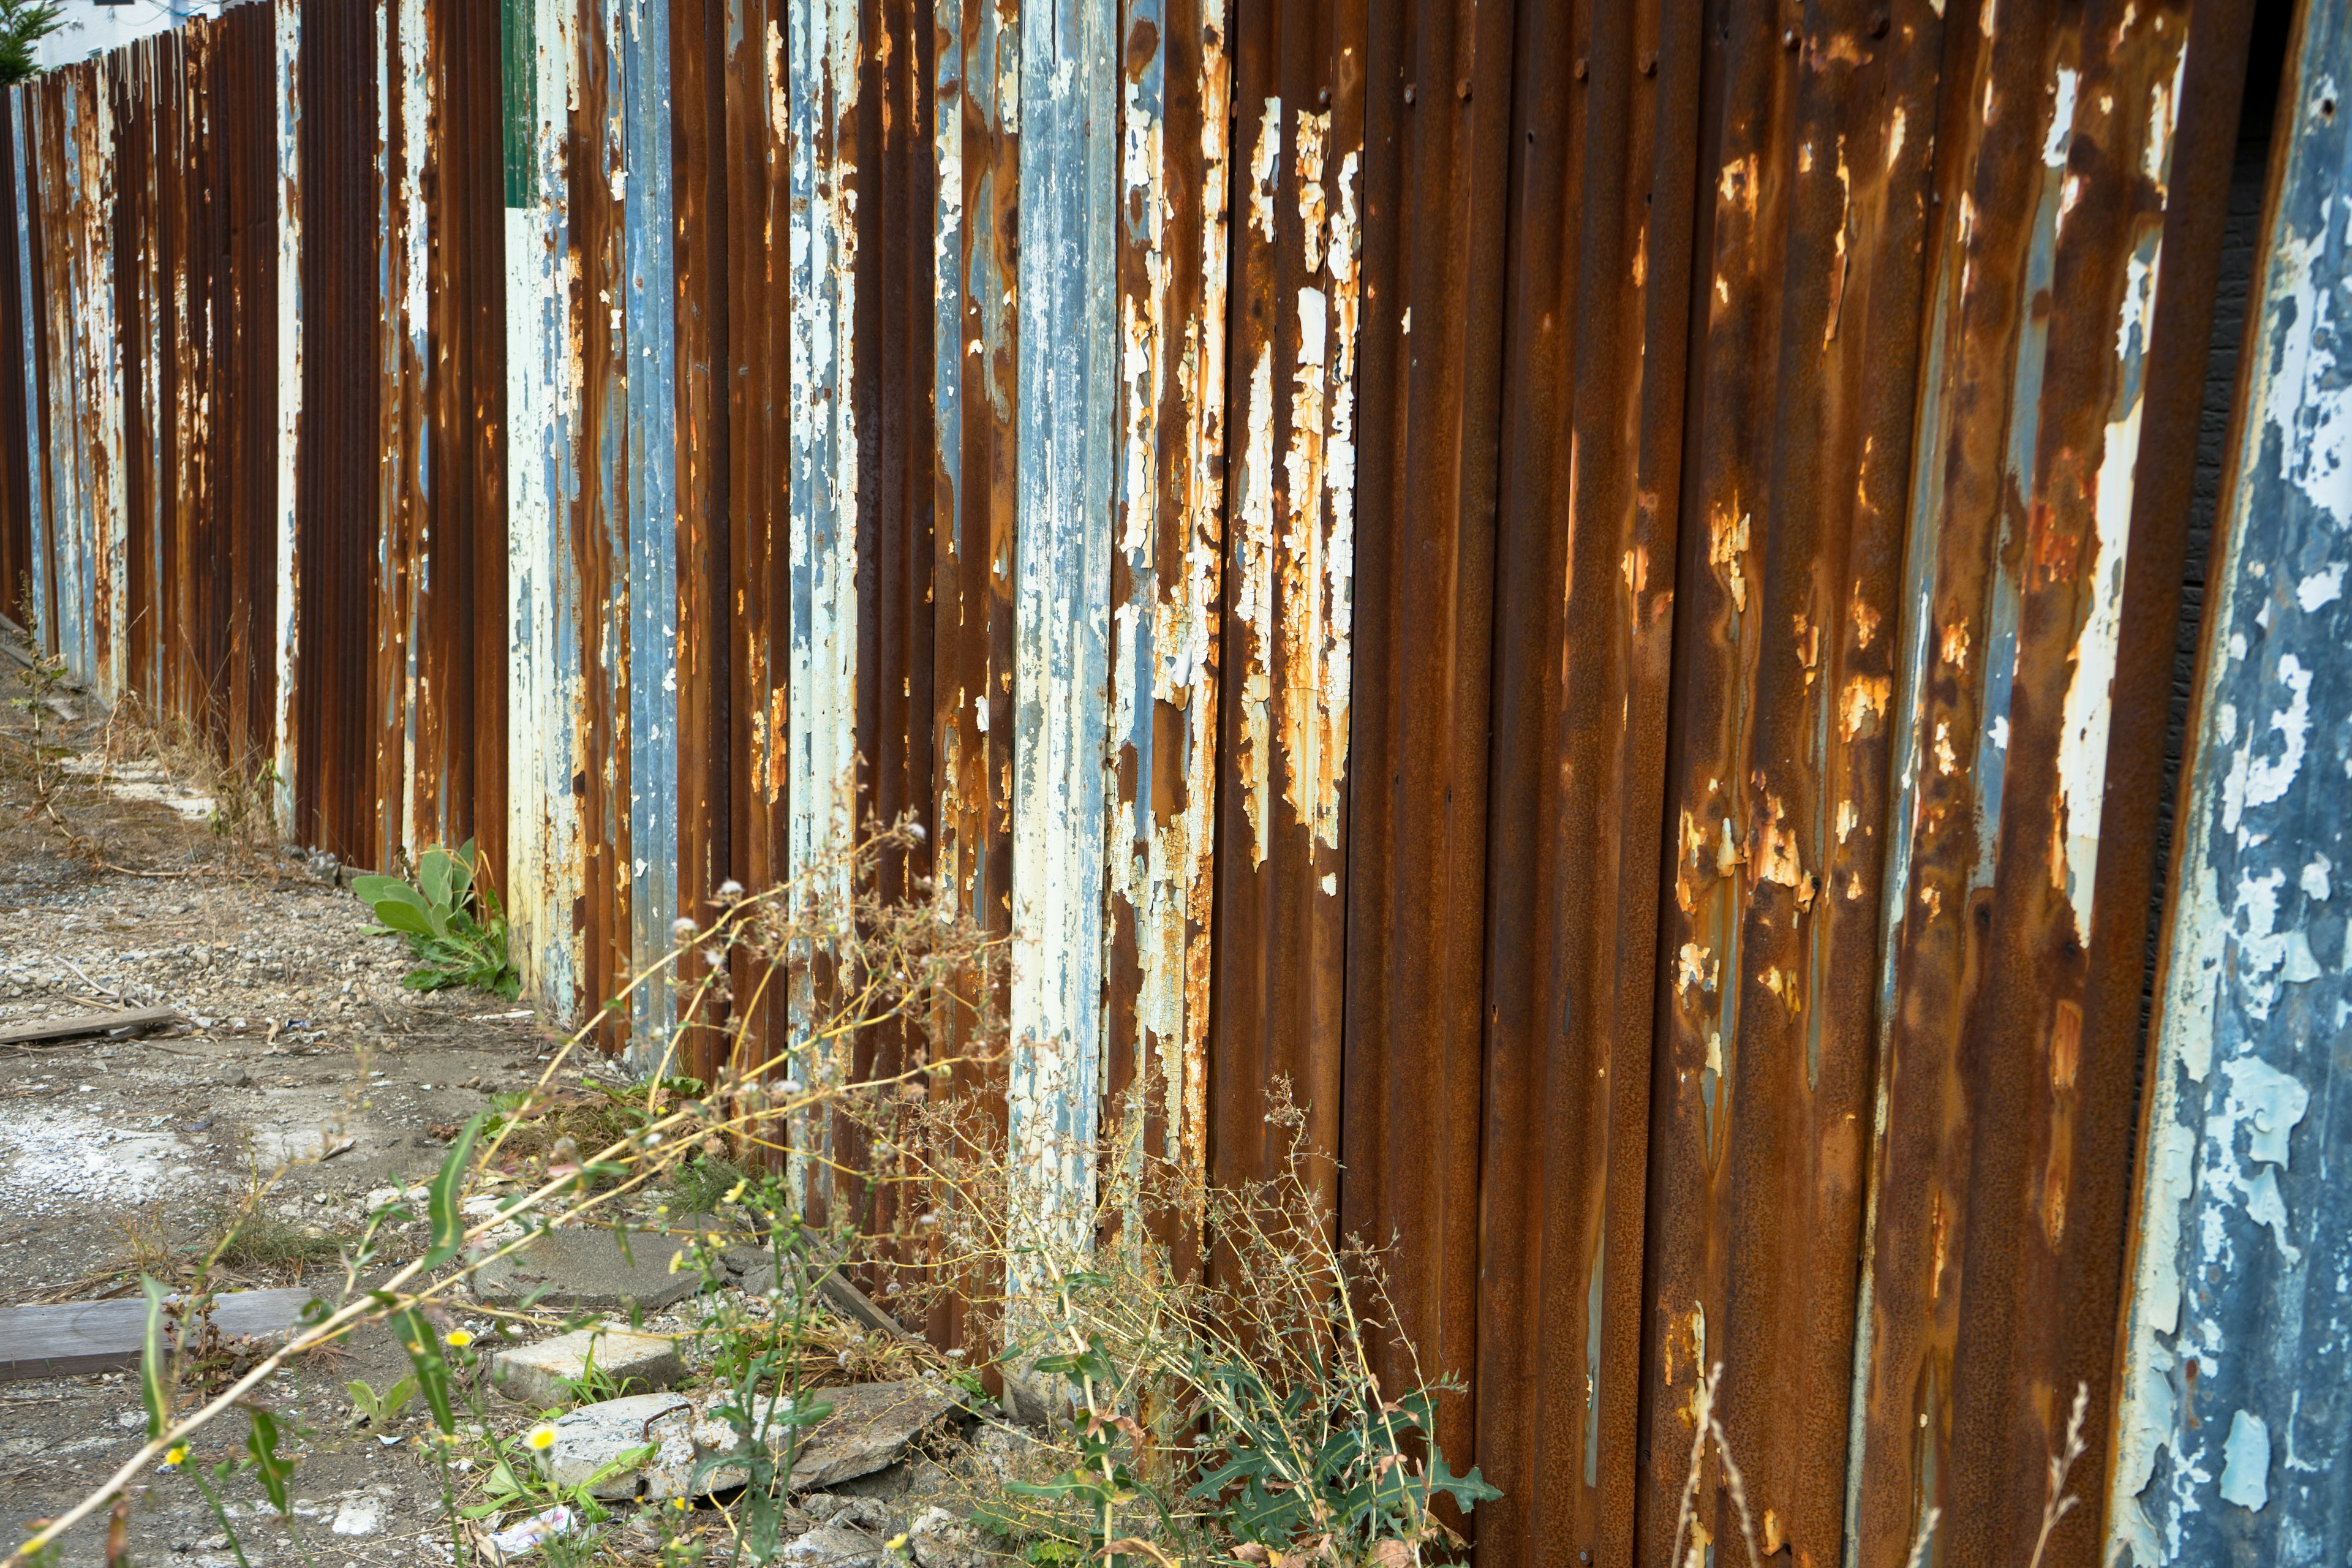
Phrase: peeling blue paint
pixel 1068 421
pixel 2234 1436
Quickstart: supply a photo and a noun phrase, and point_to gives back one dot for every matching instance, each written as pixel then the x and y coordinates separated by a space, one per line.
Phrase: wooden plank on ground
pixel 76 1337
pixel 89 1024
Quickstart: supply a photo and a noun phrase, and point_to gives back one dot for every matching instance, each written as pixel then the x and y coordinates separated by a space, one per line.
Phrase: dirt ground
pixel 118 1154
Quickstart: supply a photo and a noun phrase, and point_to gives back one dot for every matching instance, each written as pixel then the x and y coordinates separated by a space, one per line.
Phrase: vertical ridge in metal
pixel 1170 536
pixel 543 468
pixel 2235 1434
pixel 287 59
pixel 822 60
pixel 823 695
pixel 25 106
pixel 1068 416
pixel 652 512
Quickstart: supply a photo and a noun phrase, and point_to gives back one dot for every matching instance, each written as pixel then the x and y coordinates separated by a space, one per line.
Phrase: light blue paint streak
pixel 43 617
pixel 651 374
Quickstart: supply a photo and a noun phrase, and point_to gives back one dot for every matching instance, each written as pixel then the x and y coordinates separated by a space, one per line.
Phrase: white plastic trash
pixel 533 1533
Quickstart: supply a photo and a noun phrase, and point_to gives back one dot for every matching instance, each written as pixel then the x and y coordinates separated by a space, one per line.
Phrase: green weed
pixel 453 922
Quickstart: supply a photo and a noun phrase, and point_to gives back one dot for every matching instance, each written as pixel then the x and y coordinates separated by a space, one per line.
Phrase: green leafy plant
pixel 374 1409
pixel 451 919
pixel 23 25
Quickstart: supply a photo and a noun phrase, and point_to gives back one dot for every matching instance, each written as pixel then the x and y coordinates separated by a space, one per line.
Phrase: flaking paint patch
pixel 1067 427
pixel 1161 855
pixel 2237 1314
pixel 1318 547
pixel 285 37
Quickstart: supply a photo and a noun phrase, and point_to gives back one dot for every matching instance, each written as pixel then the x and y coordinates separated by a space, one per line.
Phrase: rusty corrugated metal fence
pixel 1592 583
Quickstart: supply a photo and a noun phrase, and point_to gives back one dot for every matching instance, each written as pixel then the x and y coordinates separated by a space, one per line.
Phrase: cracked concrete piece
pixel 869 1428
pixel 586 1270
pixel 547 1372
pixel 589 1438
pixel 834 1545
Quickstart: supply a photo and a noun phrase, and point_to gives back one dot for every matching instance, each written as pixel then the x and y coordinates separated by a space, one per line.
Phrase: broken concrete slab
pixel 585 1269
pixel 595 1436
pixel 552 1371
pixel 870 1427
pixel 76 1337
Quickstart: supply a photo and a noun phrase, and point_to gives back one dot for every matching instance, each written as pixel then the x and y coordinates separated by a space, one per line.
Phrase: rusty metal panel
pixel 1437 128
pixel 2230 1439
pixel 2077 170
pixel 1591 466
pixel 75 159
pixel 759 423
pixel 698 105
pixel 1273 611
pixel 1167 572
pixel 1813 204
pixel 975 392
pixel 335 434
pixel 1288 631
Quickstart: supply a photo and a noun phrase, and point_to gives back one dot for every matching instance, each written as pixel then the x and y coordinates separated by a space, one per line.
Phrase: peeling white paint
pixel 2245 1478
pixel 286 55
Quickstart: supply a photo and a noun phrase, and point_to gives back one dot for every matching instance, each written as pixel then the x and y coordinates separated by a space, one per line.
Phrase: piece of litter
pixel 389 1441
pixel 531 1534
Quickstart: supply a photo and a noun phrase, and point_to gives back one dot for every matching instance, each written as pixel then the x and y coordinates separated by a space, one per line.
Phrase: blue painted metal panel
pixel 37 468
pixel 1067 422
pixel 2234 1439
pixel 652 515
pixel 543 440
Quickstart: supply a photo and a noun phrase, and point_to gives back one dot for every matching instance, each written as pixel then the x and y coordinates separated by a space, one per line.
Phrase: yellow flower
pixel 459 1338
pixel 678 1503
pixel 735 1193
pixel 179 1452
pixel 542 1438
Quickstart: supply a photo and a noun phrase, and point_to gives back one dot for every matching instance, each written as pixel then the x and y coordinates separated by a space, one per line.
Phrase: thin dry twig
pixel 2059 1503
pixel 1919 1542
pixel 1702 1419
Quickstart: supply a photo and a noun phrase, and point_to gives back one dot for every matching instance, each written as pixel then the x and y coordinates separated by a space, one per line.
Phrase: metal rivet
pixel 1789 40
pixel 1462 88
pixel 1408 92
pixel 1649 62
pixel 1878 24
pixel 1579 68
pixel 1323 99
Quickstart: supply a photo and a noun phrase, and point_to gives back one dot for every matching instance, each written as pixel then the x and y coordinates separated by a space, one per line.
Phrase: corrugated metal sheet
pixel 1589 583
pixel 2230 1441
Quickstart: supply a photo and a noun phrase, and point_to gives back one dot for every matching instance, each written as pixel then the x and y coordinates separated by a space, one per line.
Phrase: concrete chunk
pixel 585 1269
pixel 870 1427
pixel 592 1436
pixel 550 1372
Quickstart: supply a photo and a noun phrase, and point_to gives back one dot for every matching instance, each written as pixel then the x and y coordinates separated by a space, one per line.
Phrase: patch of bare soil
pixel 305 1072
